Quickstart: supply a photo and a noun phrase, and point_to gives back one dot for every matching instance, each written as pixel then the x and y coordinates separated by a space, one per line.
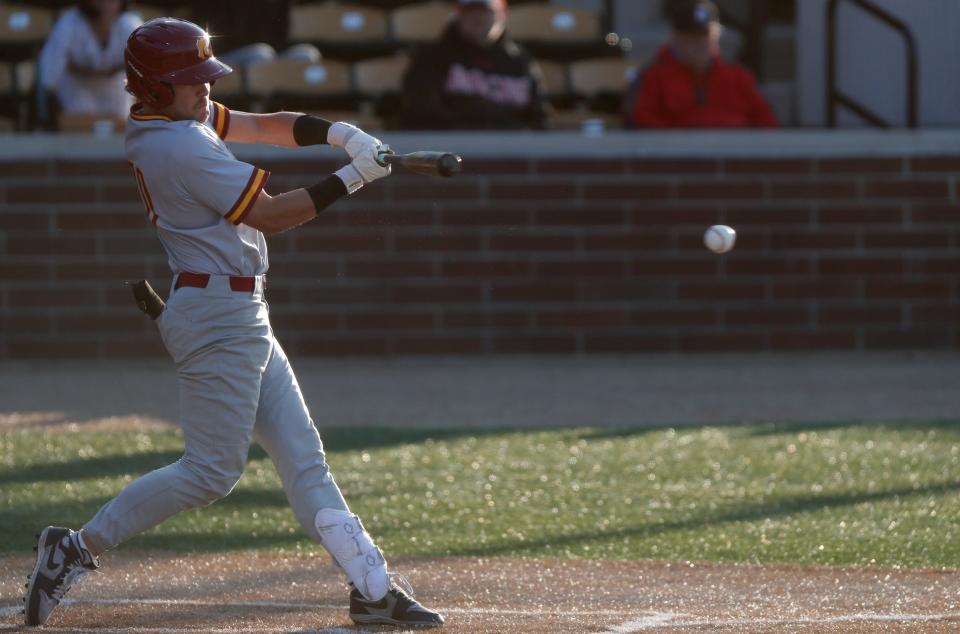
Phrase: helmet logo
pixel 204 51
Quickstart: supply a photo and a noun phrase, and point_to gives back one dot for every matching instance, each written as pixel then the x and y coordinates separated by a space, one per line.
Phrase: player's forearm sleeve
pixel 326 192
pixel 310 130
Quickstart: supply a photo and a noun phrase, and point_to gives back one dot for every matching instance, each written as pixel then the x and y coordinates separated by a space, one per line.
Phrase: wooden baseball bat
pixel 445 164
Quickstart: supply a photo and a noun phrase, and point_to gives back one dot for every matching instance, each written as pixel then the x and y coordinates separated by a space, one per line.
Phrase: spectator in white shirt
pixel 82 60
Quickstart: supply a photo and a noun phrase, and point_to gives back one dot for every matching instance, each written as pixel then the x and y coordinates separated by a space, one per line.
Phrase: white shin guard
pixel 342 534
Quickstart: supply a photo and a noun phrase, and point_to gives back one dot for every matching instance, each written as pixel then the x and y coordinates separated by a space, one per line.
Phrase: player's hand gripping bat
pixel 445 164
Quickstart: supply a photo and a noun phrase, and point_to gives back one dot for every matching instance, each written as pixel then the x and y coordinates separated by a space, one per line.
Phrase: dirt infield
pixel 239 593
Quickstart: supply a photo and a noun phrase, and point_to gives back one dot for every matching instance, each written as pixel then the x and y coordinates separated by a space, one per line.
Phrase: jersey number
pixel 144 194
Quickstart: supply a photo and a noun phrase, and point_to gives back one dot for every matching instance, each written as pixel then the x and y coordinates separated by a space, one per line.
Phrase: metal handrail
pixel 835 96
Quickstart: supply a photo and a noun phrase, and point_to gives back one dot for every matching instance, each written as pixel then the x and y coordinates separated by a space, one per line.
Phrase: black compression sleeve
pixel 326 192
pixel 310 130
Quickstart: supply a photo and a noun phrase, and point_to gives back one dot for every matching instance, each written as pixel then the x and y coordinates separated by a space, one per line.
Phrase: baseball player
pixel 211 213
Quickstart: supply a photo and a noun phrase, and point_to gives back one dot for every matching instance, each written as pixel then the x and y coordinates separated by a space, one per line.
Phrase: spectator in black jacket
pixel 474 76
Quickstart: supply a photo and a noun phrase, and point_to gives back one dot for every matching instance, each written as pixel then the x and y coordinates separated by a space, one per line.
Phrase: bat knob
pixel 382 153
pixel 448 165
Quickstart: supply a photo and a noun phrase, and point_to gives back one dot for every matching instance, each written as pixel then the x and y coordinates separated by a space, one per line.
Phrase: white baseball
pixel 720 238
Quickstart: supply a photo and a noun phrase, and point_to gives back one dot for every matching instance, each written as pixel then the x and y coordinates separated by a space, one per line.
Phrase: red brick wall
pixel 573 255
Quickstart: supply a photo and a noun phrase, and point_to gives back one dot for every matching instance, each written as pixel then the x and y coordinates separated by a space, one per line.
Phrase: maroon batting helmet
pixel 167 51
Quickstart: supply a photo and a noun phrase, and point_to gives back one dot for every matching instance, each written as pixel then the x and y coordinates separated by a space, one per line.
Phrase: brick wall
pixel 573 255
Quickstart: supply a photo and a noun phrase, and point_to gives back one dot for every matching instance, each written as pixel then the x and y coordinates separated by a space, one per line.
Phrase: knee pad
pixel 342 534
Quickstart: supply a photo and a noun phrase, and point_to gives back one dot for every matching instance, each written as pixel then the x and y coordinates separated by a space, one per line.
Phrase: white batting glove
pixel 351 138
pixel 364 168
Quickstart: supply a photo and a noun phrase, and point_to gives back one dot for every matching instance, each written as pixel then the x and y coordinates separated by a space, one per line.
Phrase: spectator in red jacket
pixel 691 86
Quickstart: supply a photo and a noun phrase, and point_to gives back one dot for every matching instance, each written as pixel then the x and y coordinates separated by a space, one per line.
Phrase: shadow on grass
pixel 766 429
pixel 113 465
pixel 335 440
pixel 771 429
pixel 749 513
pixel 18 523
pixel 84 468
pixel 347 439
pixel 613 433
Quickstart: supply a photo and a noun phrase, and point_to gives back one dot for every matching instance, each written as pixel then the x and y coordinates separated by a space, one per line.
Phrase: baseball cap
pixel 693 16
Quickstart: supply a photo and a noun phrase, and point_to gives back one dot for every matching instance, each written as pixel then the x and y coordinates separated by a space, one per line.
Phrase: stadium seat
pixel 379 83
pixel 337 22
pixel 554 78
pixel 298 77
pixel 380 76
pixel 550 24
pixel 22 24
pixel 7 79
pixel 419 23
pixel 16 79
pixel 358 117
pixel 592 77
pixel 87 123
pixel 601 84
pixel 16 82
pixel 230 86
pixel 574 118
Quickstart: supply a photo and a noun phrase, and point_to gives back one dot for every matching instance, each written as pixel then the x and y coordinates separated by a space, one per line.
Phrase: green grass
pixel 834 494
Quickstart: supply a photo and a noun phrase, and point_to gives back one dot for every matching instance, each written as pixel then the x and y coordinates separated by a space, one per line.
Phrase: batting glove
pixel 351 138
pixel 364 168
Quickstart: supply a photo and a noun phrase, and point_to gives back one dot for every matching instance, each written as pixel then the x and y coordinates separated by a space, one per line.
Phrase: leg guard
pixel 351 547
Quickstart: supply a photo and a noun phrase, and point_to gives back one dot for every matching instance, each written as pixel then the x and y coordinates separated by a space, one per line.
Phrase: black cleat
pixel 396 608
pixel 60 563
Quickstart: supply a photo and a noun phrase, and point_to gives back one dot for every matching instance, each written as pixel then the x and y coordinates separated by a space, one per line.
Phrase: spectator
pixel 251 31
pixel 690 85
pixel 81 63
pixel 474 76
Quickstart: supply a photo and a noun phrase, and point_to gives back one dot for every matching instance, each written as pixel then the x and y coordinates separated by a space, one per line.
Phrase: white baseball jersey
pixel 197 193
pixel 73 44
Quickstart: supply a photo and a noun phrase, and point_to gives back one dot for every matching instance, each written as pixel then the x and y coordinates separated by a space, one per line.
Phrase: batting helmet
pixel 167 51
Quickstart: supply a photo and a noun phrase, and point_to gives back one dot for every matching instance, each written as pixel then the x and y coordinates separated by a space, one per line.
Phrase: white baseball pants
pixel 235 385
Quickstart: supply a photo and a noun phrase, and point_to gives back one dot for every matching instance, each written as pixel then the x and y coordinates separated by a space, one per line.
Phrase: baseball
pixel 720 238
